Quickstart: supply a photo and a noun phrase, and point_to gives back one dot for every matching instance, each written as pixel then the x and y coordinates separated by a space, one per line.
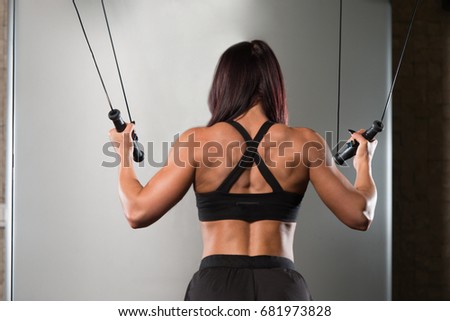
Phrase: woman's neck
pixel 254 117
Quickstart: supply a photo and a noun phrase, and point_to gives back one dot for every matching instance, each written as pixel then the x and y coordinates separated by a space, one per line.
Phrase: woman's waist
pixel 246 261
pixel 255 239
pixel 236 248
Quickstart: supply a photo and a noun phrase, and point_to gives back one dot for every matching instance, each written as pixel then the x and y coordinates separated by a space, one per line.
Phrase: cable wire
pixel 338 116
pixel 395 75
pixel 117 63
pixel 95 60
pixel 92 54
pixel 401 59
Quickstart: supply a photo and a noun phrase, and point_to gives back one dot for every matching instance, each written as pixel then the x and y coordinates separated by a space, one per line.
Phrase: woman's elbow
pixel 134 224
pixel 136 218
pixel 362 225
pixel 363 214
pixel 361 219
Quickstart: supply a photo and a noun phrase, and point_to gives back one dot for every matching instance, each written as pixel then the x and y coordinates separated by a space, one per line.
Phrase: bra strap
pixel 250 156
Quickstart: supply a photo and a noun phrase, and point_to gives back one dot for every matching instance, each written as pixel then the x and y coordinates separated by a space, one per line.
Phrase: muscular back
pixel 219 150
pixel 282 149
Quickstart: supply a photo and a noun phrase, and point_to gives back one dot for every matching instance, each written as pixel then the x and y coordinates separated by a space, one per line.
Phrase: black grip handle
pixel 350 147
pixel 117 120
pixel 114 115
pixel 138 153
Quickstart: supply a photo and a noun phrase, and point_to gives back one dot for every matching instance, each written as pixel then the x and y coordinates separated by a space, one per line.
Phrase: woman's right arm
pixel 353 204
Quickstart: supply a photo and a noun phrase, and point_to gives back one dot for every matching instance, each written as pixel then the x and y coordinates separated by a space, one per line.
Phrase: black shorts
pixel 247 278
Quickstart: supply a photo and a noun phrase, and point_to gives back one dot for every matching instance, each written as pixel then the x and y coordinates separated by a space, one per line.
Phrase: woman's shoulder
pixel 300 134
pixel 206 135
pixel 224 132
pixel 219 132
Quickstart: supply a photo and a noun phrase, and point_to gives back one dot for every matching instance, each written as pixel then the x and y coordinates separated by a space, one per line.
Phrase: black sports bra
pixel 222 205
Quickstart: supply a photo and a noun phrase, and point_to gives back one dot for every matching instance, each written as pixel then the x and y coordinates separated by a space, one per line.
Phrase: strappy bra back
pixel 220 204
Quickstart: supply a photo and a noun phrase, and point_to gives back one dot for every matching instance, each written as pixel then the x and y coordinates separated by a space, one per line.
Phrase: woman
pixel 250 171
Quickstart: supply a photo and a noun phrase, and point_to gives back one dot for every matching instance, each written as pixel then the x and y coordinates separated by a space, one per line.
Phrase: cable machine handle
pixel 114 115
pixel 350 147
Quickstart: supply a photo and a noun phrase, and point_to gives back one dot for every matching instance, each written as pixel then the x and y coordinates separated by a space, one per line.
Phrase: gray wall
pixel 70 240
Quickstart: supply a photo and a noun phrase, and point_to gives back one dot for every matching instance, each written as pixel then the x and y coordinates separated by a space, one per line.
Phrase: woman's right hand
pixel 365 151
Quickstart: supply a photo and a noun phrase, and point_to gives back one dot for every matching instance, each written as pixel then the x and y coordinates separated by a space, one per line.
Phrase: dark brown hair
pixel 247 73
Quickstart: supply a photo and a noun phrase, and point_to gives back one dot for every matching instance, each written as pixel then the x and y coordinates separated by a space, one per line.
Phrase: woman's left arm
pixel 144 205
